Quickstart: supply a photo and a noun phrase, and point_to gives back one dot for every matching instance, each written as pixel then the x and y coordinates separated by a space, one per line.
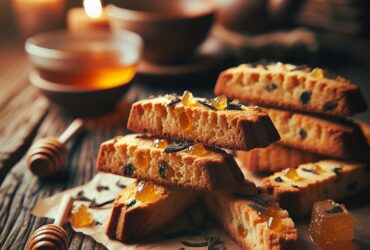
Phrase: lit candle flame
pixel 93 8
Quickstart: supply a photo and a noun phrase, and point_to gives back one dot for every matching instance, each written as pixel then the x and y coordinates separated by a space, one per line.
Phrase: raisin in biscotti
pixel 143 208
pixel 216 124
pixel 252 219
pixel 172 164
pixel 343 140
pixel 297 189
pixel 290 86
pixel 274 158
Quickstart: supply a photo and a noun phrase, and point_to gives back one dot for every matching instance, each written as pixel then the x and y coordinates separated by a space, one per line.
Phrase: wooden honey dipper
pixel 47 156
pixel 53 236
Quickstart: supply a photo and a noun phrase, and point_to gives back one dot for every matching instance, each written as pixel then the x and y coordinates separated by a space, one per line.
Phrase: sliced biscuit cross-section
pixel 231 126
pixel 168 163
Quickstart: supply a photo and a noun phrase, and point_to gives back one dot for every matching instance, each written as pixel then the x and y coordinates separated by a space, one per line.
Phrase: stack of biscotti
pixel 318 143
pixel 309 109
pixel 177 158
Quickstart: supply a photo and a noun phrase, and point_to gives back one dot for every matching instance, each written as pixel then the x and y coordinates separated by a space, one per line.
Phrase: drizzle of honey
pixel 188 99
pixel 220 102
pixel 185 122
pixel 242 231
pixel 273 219
pixel 198 149
pixel 141 160
pixel 160 143
pixel 292 174
pixel 81 216
pixel 147 192
pixel 101 77
pixel 317 73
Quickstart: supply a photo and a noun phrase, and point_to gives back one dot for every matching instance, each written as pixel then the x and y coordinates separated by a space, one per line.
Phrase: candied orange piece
pixel 198 149
pixel 160 143
pixel 81 216
pixel 188 99
pixel 185 122
pixel 318 73
pixel 292 174
pixel 220 102
pixel 317 169
pixel 331 225
pixel 147 192
pixel 141 160
pixel 273 218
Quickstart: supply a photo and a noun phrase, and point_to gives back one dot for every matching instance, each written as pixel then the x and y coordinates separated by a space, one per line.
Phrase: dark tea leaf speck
pixel 177 146
pixel 329 106
pixel 279 179
pixel 173 101
pixel 205 104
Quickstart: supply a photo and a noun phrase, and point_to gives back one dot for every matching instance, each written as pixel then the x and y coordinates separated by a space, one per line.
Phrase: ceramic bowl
pixel 171 30
pixel 84 74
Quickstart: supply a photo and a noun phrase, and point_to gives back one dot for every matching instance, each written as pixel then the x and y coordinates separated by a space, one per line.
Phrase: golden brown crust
pixel 214 170
pixel 142 219
pixel 237 213
pixel 232 129
pixel 274 158
pixel 338 181
pixel 289 86
pixel 336 139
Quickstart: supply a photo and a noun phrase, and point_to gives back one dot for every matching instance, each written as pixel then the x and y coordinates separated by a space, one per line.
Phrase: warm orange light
pixel 93 8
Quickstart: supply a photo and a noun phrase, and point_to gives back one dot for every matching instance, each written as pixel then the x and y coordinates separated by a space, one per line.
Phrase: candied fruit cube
pixel 141 160
pixel 273 218
pixel 292 174
pixel 318 73
pixel 160 143
pixel 185 122
pixel 198 149
pixel 81 216
pixel 220 102
pixel 147 192
pixel 331 225
pixel 188 99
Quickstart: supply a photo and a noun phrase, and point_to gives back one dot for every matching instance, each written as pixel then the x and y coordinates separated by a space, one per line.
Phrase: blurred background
pixel 333 34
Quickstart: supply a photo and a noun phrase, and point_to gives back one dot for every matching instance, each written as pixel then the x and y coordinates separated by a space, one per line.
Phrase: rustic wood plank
pixel 20 120
pixel 21 190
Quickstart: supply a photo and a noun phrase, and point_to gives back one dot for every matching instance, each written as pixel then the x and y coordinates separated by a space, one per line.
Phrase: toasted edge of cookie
pixel 238 214
pixel 134 222
pixel 135 156
pixel 293 87
pixel 333 179
pixel 243 129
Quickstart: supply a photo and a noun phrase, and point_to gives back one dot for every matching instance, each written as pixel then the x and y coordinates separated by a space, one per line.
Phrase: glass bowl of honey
pixel 87 73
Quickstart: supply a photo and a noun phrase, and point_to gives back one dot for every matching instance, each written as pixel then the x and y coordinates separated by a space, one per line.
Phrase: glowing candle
pixel 91 17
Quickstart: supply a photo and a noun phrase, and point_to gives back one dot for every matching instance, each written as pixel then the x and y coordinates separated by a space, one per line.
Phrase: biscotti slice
pixel 181 164
pixel 290 86
pixel 343 140
pixel 144 208
pixel 297 189
pixel 215 123
pixel 274 158
pixel 252 219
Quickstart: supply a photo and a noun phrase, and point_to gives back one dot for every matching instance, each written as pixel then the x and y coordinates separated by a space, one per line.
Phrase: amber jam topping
pixel 141 160
pixel 317 169
pixel 147 192
pixel 318 73
pixel 160 143
pixel 198 149
pixel 273 218
pixel 185 122
pixel 81 216
pixel 331 225
pixel 220 102
pixel 242 231
pixel 188 99
pixel 292 174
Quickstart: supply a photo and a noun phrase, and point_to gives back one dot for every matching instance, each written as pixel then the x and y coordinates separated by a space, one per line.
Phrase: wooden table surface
pixel 25 115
